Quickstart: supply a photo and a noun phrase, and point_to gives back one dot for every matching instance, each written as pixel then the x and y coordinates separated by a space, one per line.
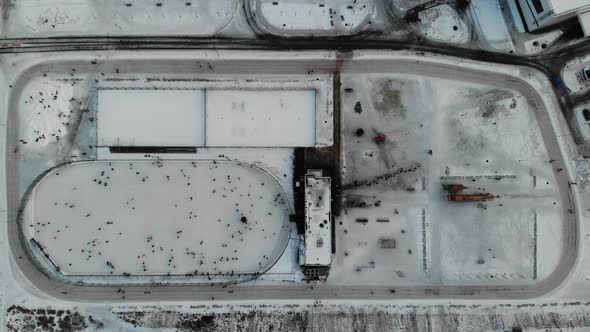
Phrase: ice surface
pixel 154 218
pixel 318 223
pixel 261 118
pixel 151 117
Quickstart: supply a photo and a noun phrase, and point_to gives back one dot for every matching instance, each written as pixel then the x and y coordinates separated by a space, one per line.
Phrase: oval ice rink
pixel 157 218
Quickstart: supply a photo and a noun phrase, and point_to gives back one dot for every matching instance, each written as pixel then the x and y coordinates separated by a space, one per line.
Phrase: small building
pixel 538 14
pixel 315 255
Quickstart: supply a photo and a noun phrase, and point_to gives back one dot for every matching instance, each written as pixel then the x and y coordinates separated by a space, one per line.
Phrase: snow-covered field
pixel 396 234
pixel 438 132
pixel 572 75
pixel 158 218
pixel 35 18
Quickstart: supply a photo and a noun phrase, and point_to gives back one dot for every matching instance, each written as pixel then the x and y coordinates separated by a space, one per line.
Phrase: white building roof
pixel 318 233
pixel 585 23
pixel 220 118
pixel 260 118
pixel 563 6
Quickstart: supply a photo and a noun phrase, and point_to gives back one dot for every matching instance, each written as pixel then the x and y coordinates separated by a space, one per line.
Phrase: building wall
pixel 536 19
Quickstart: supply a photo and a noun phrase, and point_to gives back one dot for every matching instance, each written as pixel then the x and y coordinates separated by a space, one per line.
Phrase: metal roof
pixel 563 6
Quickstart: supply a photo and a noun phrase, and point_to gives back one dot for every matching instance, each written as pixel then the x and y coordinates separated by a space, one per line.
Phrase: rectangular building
pixel 538 14
pixel 150 117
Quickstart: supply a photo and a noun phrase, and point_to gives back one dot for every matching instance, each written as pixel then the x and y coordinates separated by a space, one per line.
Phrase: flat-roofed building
pixel 538 14
pixel 316 251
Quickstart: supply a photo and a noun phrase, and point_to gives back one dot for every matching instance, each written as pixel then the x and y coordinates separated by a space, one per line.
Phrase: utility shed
pixel 317 251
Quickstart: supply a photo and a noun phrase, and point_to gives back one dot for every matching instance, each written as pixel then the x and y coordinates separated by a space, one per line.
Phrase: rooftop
pixel 563 6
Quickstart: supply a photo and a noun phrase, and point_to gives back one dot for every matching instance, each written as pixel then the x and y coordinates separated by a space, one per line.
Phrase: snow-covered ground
pixel 38 18
pixel 493 25
pixel 572 75
pixel 134 117
pixel 499 27
pixel 58 106
pixel 373 260
pixel 311 18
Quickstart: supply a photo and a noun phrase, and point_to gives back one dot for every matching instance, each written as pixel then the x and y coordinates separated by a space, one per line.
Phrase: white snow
pixel 491 24
pixel 386 249
pixel 151 117
pixel 315 17
pixel 442 131
pixel 580 123
pixel 159 217
pixel 272 118
pixel 572 75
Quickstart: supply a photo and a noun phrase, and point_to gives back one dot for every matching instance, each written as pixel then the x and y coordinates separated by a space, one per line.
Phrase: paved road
pixel 342 63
